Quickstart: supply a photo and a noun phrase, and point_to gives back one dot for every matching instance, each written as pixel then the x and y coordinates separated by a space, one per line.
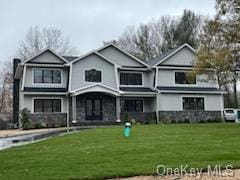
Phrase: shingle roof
pixel 70 58
pixel 136 89
pixel 33 89
pixel 187 88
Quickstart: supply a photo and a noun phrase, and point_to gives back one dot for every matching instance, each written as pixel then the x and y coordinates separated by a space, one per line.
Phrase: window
pixel 131 105
pixel 181 78
pixel 93 75
pixel 193 103
pixel 131 79
pixel 47 105
pixel 47 76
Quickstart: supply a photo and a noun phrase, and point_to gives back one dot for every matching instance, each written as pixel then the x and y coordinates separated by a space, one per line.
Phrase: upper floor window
pixel 193 103
pixel 93 75
pixel 181 78
pixel 131 79
pixel 50 76
pixel 47 105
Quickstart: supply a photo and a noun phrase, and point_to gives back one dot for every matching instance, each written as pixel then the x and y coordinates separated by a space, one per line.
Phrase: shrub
pixel 133 121
pixel 186 121
pixel 126 117
pixel 166 119
pixel 25 119
pixel 173 121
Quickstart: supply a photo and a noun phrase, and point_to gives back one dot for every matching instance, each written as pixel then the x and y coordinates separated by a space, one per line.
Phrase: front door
pixel 93 109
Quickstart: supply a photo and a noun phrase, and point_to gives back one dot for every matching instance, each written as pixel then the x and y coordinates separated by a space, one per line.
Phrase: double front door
pixel 93 109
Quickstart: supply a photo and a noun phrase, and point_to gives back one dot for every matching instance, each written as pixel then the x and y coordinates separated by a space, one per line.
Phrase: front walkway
pixel 18 132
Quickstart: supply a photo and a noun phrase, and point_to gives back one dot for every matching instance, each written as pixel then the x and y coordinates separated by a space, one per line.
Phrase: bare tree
pixel 37 39
pixel 157 36
pixel 6 86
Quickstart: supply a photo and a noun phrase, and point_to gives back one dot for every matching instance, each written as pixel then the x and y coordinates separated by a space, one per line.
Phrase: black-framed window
pixel 131 105
pixel 93 75
pixel 181 78
pixel 47 105
pixel 193 103
pixel 130 78
pixel 50 76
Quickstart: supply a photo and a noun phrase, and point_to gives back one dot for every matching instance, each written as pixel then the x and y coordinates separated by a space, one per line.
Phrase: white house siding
pixel 30 75
pixel 167 78
pixel 184 57
pixel 147 77
pixel 92 62
pixel 173 102
pixel 119 57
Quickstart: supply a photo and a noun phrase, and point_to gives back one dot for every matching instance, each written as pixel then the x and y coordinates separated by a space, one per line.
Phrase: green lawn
pixel 104 152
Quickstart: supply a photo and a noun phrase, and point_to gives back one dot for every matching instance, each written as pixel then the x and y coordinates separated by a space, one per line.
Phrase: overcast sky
pixel 86 22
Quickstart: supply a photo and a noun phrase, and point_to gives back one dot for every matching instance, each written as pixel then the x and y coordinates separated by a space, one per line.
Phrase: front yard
pixel 104 152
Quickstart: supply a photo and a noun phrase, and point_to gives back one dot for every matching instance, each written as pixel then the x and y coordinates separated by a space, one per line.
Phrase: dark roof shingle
pixel 136 89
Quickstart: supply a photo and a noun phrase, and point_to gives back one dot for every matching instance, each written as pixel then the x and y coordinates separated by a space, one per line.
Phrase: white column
pixel 67 111
pixel 74 109
pixel 118 109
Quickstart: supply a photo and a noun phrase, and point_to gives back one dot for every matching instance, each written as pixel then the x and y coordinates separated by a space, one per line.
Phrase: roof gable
pixel 120 56
pixel 46 56
pixel 165 56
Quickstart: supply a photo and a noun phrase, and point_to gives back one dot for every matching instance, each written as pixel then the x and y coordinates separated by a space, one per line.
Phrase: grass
pixel 104 152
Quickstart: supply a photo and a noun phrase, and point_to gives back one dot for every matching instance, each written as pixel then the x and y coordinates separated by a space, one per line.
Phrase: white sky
pixel 86 22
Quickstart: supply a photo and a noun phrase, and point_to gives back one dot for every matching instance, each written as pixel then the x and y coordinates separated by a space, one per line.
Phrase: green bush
pixel 186 121
pixel 25 119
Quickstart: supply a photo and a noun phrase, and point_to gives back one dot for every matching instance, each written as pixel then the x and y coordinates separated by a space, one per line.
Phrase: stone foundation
pixel 143 117
pixel 189 116
pixel 40 120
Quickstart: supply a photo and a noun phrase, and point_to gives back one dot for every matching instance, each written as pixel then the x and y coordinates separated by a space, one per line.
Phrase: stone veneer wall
pixel 108 108
pixel 49 119
pixel 191 116
pixel 143 117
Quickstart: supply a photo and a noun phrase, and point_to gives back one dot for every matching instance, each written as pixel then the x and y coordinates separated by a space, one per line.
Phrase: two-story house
pixel 109 85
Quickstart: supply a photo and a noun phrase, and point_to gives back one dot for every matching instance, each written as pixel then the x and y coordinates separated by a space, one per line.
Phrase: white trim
pixel 42 52
pixel 47 97
pixel 191 96
pixel 70 78
pixel 47 84
pixel 174 52
pixel 75 91
pixel 89 82
pixel 45 65
pixel 131 72
pixel 24 77
pixel 117 77
pixel 156 77
pixel 124 52
pixel 183 85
